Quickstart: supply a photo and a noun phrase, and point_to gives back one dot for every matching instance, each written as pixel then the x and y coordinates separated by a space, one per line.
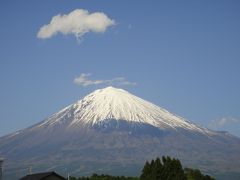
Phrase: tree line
pixel 170 169
pixel 159 169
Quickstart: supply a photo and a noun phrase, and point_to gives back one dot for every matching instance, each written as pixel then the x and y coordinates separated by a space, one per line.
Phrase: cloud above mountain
pixel 222 122
pixel 83 80
pixel 78 22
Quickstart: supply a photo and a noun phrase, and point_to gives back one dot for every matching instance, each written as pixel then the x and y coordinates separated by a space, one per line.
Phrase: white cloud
pixel 83 80
pixel 222 122
pixel 130 26
pixel 77 22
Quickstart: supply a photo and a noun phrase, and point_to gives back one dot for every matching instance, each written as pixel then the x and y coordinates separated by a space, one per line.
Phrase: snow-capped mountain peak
pixel 117 104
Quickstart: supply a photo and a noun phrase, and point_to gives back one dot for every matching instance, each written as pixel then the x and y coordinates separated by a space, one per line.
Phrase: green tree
pixel 195 174
pixel 168 169
pixel 146 172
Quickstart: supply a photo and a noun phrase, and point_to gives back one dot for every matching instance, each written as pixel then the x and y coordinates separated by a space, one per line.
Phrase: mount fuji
pixel 112 131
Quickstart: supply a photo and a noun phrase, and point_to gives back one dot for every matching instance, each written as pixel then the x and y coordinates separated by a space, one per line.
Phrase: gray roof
pixel 41 176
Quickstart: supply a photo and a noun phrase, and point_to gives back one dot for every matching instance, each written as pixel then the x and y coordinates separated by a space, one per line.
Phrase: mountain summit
pixel 111 103
pixel 112 131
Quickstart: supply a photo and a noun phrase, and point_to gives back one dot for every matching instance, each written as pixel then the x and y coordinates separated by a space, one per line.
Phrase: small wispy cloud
pixel 77 22
pixel 129 26
pixel 84 80
pixel 222 122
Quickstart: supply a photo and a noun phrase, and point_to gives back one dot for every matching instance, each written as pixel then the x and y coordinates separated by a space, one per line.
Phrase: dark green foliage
pixel 146 170
pixel 170 169
pixel 195 174
pixel 167 169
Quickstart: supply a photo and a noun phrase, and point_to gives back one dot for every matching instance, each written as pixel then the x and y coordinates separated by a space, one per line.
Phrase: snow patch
pixel 118 104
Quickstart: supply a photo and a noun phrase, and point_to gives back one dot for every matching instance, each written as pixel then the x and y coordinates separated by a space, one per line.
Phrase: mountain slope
pixel 118 104
pixel 113 131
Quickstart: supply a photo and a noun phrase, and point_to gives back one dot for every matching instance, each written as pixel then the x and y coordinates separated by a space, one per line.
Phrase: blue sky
pixel 183 56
